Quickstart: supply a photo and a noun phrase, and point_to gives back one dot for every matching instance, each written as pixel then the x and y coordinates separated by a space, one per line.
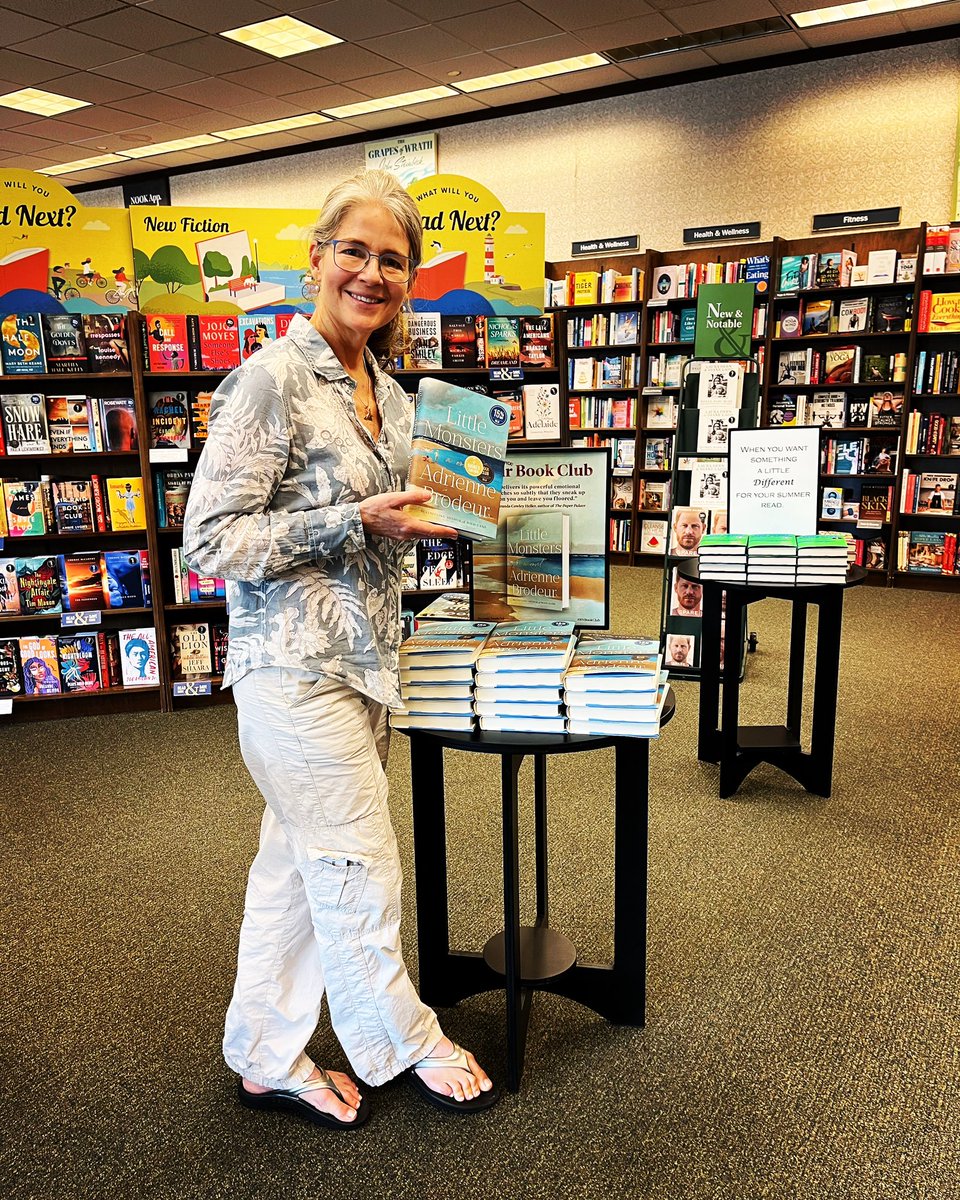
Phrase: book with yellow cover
pixel 943 313
pixel 125 503
pixel 586 287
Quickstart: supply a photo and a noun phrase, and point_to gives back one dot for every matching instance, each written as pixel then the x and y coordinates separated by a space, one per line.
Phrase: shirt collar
pixel 318 353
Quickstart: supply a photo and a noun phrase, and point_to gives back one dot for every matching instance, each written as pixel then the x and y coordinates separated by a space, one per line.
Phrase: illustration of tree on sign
pixel 246 267
pixel 217 266
pixel 171 267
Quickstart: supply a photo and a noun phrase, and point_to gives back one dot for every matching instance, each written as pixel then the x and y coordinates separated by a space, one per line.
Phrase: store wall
pixel 776 146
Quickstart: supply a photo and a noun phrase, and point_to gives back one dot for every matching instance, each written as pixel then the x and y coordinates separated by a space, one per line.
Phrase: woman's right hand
pixel 384 516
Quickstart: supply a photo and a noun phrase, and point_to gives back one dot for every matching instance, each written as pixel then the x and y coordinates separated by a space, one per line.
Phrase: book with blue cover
pixel 459 446
pixel 538 559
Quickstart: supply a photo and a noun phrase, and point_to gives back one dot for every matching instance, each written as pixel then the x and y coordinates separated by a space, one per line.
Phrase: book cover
pixel 169 420
pixel 216 340
pixel 621 493
pixel 255 331
pixel 586 287
pixel 793 366
pixel 41 667
pixel 790 267
pixel 854 315
pixel 502 341
pixel 448 606
pixel 826 409
pixel 118 421
pixel 24 507
pixel 881 455
pixel 831 503
pixel 782 410
pixel 847 456
pixel 881 266
pixel 891 313
pixel 656 453
pixel 653 536
pixel 925 555
pixel 661 413
pixel 70 424
pixel 125 503
pixel 720 385
pixel 817 316
pixel 449 644
pixel 9 591
pixel 123 579
pixel 875 501
pixel 439 564
pixel 21 344
pixel 105 337
pixel 541 409
pixel 63 343
pixel 828 269
pixel 791 320
pixel 538 559
pixel 165 339
pixel 79 661
pixel 942 313
pixel 459 444
pixel 526 644
pixel 25 423
pixel 937 492
pixel 877 368
pixel 10 675
pixel 138 657
pixel 81 581
pixel 424 348
pixel 840 365
pixel 625 329
pixel 858 412
pixel 73 506
pixel 199 417
pixel 536 341
pixel 38 582
pixel 513 401
pixel 656 495
pixel 458 337
pixel 172 491
pixel 190 650
pixel 886 410
pixel 713 428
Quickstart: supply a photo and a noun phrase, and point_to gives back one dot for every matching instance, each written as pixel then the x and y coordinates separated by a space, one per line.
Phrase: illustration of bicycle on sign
pixel 122 292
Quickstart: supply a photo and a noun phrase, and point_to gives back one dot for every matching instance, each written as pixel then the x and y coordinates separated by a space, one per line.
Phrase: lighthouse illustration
pixel 489 267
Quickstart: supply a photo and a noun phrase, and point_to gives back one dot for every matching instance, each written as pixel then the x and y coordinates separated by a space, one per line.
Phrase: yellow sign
pixel 222 260
pixel 55 254
pixel 478 256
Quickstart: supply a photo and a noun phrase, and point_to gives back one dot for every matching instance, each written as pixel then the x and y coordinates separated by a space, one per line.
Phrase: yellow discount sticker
pixel 473 465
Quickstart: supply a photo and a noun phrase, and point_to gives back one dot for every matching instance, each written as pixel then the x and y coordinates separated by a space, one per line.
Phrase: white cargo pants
pixel 322 909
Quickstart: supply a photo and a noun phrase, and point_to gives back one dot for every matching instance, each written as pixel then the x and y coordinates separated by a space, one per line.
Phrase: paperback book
pixel 25 428
pixel 21 344
pixel 63 342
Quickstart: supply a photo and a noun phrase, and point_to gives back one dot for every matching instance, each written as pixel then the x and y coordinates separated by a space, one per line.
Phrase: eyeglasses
pixel 352 256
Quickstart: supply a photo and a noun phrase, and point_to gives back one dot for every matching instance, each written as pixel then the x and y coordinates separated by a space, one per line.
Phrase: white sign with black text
pixel 774 480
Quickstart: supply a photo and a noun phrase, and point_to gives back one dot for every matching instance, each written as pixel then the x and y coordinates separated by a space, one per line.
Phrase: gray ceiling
pixel 156 71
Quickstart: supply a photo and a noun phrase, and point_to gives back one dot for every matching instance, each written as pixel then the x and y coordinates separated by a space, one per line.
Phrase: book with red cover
pixel 165 342
pixel 214 342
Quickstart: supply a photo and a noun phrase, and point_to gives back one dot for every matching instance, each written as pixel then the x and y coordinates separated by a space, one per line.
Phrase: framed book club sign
pixel 549 559
pixel 773 480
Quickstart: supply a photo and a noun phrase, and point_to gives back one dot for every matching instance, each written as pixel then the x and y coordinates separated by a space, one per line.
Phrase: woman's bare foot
pixel 323 1098
pixel 454 1081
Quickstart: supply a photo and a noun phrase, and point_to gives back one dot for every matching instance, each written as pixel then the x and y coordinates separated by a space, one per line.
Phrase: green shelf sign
pixel 724 320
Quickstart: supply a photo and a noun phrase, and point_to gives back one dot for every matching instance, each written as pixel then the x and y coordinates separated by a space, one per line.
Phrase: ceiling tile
pixel 931 18
pixel 32 162
pixel 517 93
pixel 62 12
pixel 157 106
pixel 625 33
pixel 66 47
pixel 345 61
pixel 391 83
pixel 109 120
pixel 262 109
pixel 394 118
pixel 53 129
pixel 526 54
pixel 755 48
pixel 205 121
pixel 150 72
pixel 96 89
pixel 273 78
pixel 214 93
pixel 213 15
pixel 716 13
pixel 116 143
pixel 502 24
pixel 468 66
pixel 26 143
pixel 206 53
pixel 668 64
pixel 425 44
pixel 18 27
pixel 331 96
pixel 137 27
pixel 865 27
pixel 27 71
pixel 268 141
pixel 438 10
pixel 574 14
pixel 355 21
pixel 580 81
pixel 451 107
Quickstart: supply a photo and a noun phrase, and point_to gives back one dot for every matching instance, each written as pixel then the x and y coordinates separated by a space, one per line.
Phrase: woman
pixel 297 501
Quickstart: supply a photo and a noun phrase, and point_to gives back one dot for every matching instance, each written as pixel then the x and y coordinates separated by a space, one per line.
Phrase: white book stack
pixel 520 677
pixel 822 558
pixel 436 675
pixel 723 556
pixel 772 558
pixel 615 686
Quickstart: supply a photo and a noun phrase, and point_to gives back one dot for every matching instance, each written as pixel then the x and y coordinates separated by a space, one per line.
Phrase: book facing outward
pixel 538 559
pixel 459 444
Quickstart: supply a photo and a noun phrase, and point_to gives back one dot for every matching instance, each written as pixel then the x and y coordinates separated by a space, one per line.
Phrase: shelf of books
pixel 840 345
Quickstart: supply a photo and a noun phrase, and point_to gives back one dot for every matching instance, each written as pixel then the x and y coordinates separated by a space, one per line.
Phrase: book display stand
pixel 526 959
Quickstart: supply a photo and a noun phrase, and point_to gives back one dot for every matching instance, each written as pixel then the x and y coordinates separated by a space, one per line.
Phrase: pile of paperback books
pixel 436 675
pixel 723 556
pixel 615 686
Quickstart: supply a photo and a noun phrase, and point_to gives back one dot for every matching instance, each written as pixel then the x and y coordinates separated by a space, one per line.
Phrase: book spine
pixel 103 659
pixel 923 317
pixel 99 507
pixel 193 342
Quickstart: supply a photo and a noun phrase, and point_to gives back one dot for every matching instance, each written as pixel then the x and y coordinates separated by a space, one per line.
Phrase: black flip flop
pixel 291 1100
pixel 457 1059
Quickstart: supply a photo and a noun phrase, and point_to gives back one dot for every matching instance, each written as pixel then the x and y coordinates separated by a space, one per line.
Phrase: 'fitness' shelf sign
pixel 774 477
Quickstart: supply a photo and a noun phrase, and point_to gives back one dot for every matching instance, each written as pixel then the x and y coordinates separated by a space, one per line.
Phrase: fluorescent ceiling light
pixel 281 36
pixel 187 143
pixel 248 131
pixel 82 164
pixel 850 12
pixel 44 104
pixel 562 66
pixel 401 100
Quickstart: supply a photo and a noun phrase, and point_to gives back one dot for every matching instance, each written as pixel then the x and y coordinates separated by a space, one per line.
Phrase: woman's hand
pixel 384 516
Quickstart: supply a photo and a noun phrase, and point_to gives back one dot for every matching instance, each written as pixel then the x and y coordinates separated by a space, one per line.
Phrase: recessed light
pixel 561 66
pixel 282 36
pixel 187 143
pixel 850 12
pixel 247 131
pixel 401 100
pixel 453 74
pixel 44 104
pixel 81 164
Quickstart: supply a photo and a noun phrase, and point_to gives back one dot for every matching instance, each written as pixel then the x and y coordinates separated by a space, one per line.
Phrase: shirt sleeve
pixel 229 529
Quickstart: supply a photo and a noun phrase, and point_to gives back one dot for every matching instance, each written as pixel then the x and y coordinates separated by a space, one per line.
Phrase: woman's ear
pixel 316 254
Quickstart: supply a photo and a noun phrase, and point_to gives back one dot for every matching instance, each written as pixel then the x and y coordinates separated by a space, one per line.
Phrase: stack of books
pixel 772 558
pixel 723 556
pixel 615 686
pixel 822 558
pixel 436 675
pixel 520 677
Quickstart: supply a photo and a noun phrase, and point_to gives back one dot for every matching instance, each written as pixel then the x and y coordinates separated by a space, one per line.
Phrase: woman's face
pixel 356 304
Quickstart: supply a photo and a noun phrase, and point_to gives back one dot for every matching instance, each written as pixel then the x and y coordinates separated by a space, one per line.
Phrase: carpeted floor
pixel 802 1025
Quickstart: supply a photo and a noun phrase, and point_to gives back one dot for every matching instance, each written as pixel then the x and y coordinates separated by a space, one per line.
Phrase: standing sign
pixel 724 320
pixel 774 480
pixel 409 157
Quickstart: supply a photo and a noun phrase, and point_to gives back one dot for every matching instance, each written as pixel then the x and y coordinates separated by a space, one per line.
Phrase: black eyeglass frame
pixel 335 242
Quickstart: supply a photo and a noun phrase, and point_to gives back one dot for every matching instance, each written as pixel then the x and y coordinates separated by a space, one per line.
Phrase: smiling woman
pixel 298 503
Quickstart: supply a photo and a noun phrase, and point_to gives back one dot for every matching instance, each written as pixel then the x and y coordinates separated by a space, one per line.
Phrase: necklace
pixel 364 399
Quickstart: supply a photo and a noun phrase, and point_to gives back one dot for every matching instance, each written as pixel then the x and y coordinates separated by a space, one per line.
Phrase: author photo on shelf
pixel 298 502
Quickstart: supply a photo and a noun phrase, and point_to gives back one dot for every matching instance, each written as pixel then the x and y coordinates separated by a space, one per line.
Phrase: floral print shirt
pixel 274 510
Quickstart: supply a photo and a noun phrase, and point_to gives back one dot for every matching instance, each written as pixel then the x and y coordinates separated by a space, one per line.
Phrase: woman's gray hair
pixel 375 187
